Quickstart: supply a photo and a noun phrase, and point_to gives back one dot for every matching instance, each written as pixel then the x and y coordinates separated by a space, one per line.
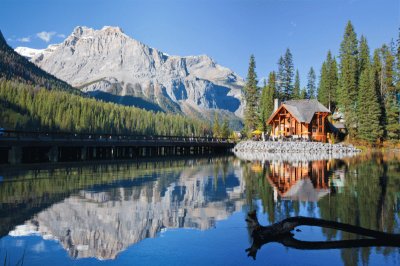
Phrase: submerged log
pixel 281 232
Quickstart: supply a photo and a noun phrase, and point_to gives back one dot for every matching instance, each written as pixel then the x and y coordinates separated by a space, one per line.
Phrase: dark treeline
pixel 30 108
pixel 364 88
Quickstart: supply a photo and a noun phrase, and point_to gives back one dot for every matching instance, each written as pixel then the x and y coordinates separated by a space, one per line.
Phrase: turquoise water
pixel 192 212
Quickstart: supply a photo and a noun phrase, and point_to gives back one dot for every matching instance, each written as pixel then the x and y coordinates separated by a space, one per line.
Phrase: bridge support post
pixel 15 155
pixel 84 153
pixel 53 154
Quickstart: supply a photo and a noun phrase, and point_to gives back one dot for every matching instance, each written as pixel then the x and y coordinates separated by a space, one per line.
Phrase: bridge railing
pixel 48 135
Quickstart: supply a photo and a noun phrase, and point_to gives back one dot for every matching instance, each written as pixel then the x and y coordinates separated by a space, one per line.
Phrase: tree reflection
pixel 363 191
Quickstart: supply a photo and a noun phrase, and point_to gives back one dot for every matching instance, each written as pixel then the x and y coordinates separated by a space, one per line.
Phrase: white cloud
pixel 46 35
pixel 61 35
pixel 24 39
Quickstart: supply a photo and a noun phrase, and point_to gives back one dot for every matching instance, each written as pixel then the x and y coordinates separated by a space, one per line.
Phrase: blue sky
pixel 227 30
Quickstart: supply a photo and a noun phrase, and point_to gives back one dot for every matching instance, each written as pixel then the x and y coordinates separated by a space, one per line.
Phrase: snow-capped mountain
pixel 110 65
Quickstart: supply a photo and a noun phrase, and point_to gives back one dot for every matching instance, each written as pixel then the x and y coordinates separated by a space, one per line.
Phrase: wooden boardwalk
pixel 28 147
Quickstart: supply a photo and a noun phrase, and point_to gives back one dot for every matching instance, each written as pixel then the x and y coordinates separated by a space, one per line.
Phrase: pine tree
pixel 251 95
pixel 348 80
pixel 280 77
pixel 303 93
pixel 390 93
pixel 311 88
pixel 369 111
pixel 216 126
pixel 376 72
pixel 225 129
pixel 296 88
pixel 392 117
pixel 323 85
pixel 267 101
pixel 333 81
pixel 288 76
pixel 328 82
pixel 364 55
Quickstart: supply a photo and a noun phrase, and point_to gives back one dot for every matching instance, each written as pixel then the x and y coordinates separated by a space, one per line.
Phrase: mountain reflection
pixel 102 221
pixel 99 211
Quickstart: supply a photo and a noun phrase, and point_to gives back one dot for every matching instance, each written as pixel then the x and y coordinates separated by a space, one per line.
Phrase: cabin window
pixel 320 121
pixel 314 129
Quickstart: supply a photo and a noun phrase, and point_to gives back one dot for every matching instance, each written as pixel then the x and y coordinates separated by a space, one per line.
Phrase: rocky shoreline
pixel 292 151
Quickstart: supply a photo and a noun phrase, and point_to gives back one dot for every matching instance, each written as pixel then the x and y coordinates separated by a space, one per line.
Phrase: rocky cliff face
pixel 110 65
pixel 103 223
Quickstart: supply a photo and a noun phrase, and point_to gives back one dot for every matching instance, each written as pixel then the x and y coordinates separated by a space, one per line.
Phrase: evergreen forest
pixel 360 85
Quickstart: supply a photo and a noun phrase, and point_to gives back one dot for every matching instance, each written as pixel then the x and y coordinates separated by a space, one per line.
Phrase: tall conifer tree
pixel 251 95
pixel 369 112
pixel 363 55
pixel 323 85
pixel 311 88
pixel 296 88
pixel 328 82
pixel 368 108
pixel 280 76
pixel 390 94
pixel 267 101
pixel 376 72
pixel 348 92
pixel 288 76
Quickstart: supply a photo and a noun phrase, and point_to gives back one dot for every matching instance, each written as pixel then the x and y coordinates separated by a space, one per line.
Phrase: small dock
pixel 33 147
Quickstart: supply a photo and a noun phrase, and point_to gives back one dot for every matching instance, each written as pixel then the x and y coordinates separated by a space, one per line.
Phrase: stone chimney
pixel 276 104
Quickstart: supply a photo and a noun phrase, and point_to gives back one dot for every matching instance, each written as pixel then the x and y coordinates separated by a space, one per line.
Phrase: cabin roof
pixel 303 110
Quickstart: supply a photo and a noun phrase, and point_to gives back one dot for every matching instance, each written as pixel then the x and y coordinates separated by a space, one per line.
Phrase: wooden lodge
pixel 300 119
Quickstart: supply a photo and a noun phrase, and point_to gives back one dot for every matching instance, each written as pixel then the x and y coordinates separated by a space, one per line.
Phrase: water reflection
pixel 107 218
pixel 361 191
pixel 302 181
pixel 100 210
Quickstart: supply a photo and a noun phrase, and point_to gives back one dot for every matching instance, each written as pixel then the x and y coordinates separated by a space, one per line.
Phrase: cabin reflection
pixel 301 181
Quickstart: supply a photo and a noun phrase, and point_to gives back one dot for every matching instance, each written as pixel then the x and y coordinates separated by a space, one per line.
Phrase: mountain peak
pixel 82 30
pixel 108 62
pixel 112 29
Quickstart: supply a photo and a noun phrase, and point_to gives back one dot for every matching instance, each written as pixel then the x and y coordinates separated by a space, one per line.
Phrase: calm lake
pixel 193 211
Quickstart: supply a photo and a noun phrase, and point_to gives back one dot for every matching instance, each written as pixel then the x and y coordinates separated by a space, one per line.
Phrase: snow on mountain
pixel 28 52
pixel 110 65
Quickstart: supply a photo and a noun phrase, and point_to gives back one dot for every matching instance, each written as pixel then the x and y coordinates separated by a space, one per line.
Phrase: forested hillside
pixel 26 107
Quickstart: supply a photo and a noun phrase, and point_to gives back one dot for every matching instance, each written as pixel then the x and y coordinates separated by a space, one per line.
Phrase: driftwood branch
pixel 281 233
